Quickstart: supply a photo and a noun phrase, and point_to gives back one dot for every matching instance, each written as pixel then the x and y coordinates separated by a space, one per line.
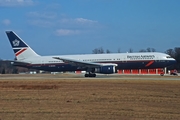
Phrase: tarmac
pixel 81 76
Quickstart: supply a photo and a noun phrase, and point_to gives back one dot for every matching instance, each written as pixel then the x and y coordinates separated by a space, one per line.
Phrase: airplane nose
pixel 174 61
pixel 171 62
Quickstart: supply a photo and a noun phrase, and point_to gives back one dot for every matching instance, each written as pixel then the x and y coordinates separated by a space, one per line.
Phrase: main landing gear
pixel 90 75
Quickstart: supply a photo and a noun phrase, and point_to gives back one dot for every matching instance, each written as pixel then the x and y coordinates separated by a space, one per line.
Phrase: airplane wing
pixel 84 64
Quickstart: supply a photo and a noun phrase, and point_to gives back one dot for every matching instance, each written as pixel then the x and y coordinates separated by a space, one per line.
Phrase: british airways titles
pixel 140 56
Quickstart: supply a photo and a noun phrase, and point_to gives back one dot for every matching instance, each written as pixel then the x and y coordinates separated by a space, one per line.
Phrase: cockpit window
pixel 168 57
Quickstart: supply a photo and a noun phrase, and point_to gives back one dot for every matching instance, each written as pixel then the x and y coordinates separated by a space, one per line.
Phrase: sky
pixel 58 27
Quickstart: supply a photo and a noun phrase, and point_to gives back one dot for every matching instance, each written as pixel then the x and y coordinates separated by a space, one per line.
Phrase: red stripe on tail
pixel 19 52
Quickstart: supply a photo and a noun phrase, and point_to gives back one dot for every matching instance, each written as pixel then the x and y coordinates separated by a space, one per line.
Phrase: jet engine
pixel 106 69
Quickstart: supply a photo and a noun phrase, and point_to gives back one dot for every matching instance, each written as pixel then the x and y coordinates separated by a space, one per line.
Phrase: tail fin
pixel 20 48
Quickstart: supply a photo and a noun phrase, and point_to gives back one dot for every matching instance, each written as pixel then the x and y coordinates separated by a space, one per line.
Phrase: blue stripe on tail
pixel 16 50
pixel 15 40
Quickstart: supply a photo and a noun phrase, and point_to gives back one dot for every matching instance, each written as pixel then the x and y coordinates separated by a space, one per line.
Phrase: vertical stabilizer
pixel 20 48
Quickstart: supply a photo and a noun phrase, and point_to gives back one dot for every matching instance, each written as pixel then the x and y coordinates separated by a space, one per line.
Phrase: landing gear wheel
pixel 94 75
pixel 90 75
pixel 86 75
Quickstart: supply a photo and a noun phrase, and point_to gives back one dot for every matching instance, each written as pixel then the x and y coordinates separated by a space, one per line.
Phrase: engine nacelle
pixel 106 69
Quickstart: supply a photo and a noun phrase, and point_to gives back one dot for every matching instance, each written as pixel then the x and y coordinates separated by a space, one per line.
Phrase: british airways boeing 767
pixel 91 63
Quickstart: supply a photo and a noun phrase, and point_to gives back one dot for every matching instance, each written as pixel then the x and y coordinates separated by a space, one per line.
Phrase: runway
pixel 81 77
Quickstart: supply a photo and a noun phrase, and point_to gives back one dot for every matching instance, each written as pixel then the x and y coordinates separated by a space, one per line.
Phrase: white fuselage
pixel 123 60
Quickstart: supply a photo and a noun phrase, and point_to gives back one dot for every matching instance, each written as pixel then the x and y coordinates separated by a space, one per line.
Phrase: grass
pixel 89 99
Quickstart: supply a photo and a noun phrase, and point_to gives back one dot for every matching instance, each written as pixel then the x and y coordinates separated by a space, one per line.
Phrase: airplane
pixel 91 63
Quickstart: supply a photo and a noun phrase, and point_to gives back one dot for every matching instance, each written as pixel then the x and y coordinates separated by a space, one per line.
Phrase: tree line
pixel 100 50
pixel 7 68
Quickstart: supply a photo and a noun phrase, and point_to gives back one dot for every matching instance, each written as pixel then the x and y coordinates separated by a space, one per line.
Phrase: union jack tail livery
pixel 20 48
